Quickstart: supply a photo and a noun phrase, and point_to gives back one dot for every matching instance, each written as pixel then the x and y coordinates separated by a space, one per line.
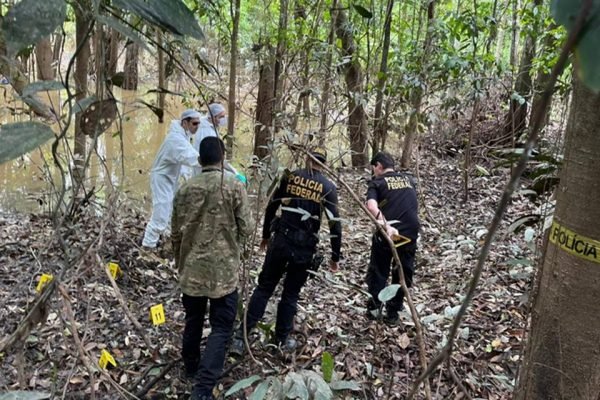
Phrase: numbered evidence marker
pixel 157 314
pixel 44 280
pixel 106 359
pixel 114 269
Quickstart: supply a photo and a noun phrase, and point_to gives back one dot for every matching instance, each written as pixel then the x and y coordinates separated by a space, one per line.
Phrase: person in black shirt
pixel 291 242
pixel 392 199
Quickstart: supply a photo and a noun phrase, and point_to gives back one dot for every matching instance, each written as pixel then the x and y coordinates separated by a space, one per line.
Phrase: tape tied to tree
pixel 575 244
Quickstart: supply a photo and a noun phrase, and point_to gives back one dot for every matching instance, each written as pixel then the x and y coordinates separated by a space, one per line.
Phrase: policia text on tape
pixel 577 245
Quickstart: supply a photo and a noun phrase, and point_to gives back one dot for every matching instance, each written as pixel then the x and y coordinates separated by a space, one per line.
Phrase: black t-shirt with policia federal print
pixel 304 195
pixel 396 197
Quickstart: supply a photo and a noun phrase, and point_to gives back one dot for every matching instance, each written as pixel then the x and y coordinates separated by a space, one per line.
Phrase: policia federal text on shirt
pixel 392 199
pixel 292 242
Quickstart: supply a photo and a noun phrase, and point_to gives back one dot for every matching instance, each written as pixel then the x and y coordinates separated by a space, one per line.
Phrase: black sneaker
pixel 198 394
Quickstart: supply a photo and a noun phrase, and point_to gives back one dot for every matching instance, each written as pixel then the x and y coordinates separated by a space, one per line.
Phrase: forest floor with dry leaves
pixel 382 360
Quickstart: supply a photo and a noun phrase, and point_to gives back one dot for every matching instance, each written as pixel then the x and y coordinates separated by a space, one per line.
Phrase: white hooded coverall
pixel 175 152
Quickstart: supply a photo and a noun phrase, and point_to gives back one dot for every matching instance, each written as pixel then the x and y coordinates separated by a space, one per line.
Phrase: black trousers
pixel 379 270
pixel 209 368
pixel 283 257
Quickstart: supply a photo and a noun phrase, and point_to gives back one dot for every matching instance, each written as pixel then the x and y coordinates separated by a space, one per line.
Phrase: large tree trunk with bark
pixel 264 108
pixel 357 118
pixel 562 360
pixel 44 58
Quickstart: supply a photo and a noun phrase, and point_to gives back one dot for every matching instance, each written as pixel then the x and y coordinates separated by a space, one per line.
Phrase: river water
pixel 25 183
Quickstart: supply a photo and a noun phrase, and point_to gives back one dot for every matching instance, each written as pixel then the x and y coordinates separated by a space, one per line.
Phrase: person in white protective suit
pixel 209 126
pixel 175 152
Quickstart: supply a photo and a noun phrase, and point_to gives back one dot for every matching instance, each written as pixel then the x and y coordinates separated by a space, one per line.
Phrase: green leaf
pixel 327 366
pixel 24 395
pixel 22 137
pixel 41 86
pixel 294 387
pixel 172 15
pixel 363 11
pixel 388 293
pixel 260 392
pixel 565 12
pixel 125 30
pixel 243 384
pixel 316 386
pixel 31 20
pixel 345 385
pixel 481 171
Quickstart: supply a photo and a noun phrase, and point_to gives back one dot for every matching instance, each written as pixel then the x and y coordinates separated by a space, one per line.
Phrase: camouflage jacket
pixel 210 223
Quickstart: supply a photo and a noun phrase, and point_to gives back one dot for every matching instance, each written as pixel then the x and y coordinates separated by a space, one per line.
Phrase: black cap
pixel 384 159
pixel 320 154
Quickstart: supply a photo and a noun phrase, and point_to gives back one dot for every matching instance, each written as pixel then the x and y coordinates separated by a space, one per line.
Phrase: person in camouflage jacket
pixel 210 223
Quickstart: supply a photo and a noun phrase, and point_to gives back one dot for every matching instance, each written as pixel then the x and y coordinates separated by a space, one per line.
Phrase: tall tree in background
pixel 235 17
pixel 326 89
pixel 379 134
pixel 44 58
pixel 416 97
pixel 357 118
pixel 130 69
pixel 516 119
pixel 82 28
pixel 563 354
pixel 265 101
pixel 162 81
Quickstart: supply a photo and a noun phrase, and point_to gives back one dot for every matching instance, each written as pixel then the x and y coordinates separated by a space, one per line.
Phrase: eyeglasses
pixel 195 123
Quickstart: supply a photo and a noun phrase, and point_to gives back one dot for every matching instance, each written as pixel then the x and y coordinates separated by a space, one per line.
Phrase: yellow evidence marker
pixel 106 359
pixel 157 314
pixel 44 280
pixel 114 269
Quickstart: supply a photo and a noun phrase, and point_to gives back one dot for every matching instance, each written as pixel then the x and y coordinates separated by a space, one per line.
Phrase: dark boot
pixel 238 347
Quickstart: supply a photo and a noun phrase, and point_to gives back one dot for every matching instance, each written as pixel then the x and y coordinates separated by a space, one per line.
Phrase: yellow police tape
pixel 574 244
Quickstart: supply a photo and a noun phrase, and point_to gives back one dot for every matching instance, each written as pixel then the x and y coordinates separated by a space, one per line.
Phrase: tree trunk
pixel 357 119
pixel 44 58
pixel 380 123
pixel 514 43
pixel 235 17
pixel 161 76
pixel 82 26
pixel 417 95
pixel 516 119
pixel 130 79
pixel 563 354
pixel 328 77
pixel 278 83
pixel 57 51
pixel 541 81
pixel 264 108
